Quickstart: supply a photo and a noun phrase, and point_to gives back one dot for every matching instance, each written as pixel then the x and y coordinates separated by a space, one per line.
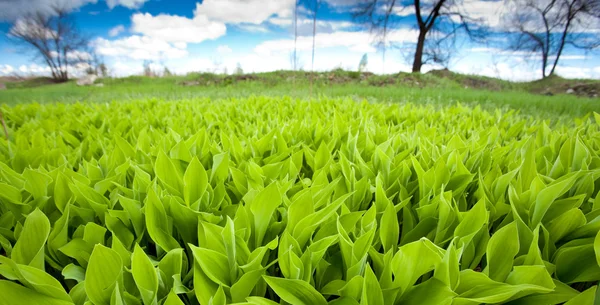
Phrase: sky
pixel 257 35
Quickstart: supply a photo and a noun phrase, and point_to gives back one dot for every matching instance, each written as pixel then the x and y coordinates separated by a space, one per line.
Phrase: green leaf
pixel 36 183
pixel 549 194
pixel 413 260
pixel 477 288
pixel 597 247
pixel 295 292
pixel 501 251
pixel 389 232
pixel 219 298
pixel 195 182
pixel 74 272
pixel 13 293
pixel 371 292
pixel 33 278
pixel 144 275
pixel 104 270
pixel 214 264
pixel 173 299
pixel 62 192
pixel 168 173
pixel 29 249
pixel 220 168
pixel 157 223
pixel 260 301
pixel 587 297
pixel 432 292
pixel 245 284
pixel 263 206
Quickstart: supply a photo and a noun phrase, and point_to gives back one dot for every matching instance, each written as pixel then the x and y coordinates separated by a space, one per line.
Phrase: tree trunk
pixel 563 39
pixel 418 60
pixel 544 65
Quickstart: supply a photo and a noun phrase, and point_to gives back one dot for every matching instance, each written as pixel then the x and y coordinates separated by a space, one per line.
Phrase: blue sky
pixel 217 35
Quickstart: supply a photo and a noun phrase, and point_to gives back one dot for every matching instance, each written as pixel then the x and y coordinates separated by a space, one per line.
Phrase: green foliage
pixel 281 201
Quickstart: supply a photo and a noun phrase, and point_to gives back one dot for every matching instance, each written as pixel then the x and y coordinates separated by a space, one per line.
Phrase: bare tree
pixel 545 27
pixel 437 22
pixel 54 39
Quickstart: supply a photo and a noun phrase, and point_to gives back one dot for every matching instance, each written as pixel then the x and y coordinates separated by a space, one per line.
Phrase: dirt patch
pixel 468 81
pixel 586 90
pixel 189 83
pixel 243 77
pixel 445 73
pixel 10 79
pixel 211 79
pixel 577 88
pixel 478 83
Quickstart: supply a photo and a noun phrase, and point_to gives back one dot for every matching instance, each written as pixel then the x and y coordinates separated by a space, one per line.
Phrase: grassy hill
pixel 438 86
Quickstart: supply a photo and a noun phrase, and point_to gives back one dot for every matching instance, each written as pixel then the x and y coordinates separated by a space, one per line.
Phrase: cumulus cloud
pixel 139 47
pixel 6 69
pixel 522 54
pixel 252 28
pixel 132 4
pixel 172 28
pixel 116 31
pixel 488 12
pixel 75 55
pixel 223 49
pixel 244 11
pixel 354 41
pixel 34 69
pixel 14 9
pixel 305 25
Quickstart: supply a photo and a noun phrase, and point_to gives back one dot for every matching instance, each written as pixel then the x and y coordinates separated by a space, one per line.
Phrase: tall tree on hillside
pixel 544 28
pixel 54 39
pixel 437 22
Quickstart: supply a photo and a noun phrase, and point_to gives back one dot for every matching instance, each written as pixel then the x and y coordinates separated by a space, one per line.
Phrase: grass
pixel 437 87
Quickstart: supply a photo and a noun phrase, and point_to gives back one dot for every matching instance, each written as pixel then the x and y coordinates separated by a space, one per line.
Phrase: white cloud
pixel 223 49
pixel 139 47
pixel 28 28
pixel 305 25
pixel 75 55
pixel 243 11
pixel 116 30
pixel 34 69
pixel 180 45
pixel 13 9
pixel 578 72
pixel 170 28
pixel 252 28
pixel 403 11
pixel 132 4
pixel 355 41
pixel 522 54
pixel 121 68
pixel 488 12
pixel 281 21
pixel 340 3
pixel 363 48
pixel 6 69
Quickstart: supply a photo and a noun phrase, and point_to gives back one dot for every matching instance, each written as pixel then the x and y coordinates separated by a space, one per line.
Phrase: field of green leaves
pixel 264 200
